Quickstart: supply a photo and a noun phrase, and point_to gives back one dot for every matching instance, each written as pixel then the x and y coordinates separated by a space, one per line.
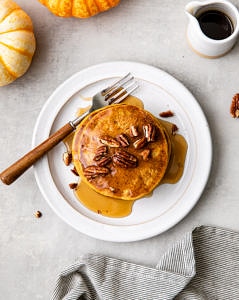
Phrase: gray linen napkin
pixel 203 265
pixel 216 253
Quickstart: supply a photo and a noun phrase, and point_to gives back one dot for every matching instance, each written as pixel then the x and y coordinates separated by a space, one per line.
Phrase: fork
pixel 113 94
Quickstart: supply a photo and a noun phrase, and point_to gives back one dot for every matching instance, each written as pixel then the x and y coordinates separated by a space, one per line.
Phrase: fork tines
pixel 120 89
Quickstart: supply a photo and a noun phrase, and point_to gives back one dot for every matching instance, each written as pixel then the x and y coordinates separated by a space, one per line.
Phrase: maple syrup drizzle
pixel 177 158
pixel 117 208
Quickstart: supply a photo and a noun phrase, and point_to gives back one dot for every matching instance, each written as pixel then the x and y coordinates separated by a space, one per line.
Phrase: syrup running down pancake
pixel 121 151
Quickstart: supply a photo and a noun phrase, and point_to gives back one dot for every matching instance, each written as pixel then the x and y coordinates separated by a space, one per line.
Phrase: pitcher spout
pixel 191 10
pixel 192 7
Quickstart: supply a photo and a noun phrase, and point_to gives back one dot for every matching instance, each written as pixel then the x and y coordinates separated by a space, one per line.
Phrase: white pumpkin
pixel 17 42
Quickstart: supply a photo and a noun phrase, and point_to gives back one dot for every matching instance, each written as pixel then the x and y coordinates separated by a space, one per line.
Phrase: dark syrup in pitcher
pixel 215 24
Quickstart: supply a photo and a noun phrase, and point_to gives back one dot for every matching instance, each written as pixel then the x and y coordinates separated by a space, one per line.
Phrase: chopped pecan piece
pixel 125 159
pixel 134 131
pixel 112 189
pixel 67 158
pixel 234 109
pixel 166 114
pixel 74 171
pixel 149 132
pixel 138 144
pixel 123 140
pixel 38 214
pixel 73 185
pixel 145 154
pixel 109 141
pixel 174 129
pixel 91 172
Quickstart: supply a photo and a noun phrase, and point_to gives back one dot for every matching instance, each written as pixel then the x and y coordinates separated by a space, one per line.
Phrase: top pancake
pixel 121 151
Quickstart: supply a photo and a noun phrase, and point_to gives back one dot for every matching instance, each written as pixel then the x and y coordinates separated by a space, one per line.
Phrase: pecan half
pixel 123 140
pixel 125 159
pixel 166 114
pixel 104 161
pixel 149 132
pixel 134 131
pixel 102 150
pixel 91 172
pixel 100 153
pixel 234 109
pixel 138 144
pixel 109 141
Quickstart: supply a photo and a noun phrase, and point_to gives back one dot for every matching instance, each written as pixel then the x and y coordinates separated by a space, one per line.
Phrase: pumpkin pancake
pixel 121 151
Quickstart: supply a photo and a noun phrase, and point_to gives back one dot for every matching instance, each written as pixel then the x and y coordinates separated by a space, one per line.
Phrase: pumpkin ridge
pixel 7 15
pixel 108 2
pixel 48 4
pixel 87 7
pixel 26 53
pixel 72 7
pixel 101 8
pixel 111 2
pixel 18 29
pixel 96 4
pixel 65 7
pixel 7 69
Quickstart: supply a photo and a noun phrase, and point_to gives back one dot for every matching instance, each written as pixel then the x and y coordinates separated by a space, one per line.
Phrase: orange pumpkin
pixel 78 8
pixel 17 42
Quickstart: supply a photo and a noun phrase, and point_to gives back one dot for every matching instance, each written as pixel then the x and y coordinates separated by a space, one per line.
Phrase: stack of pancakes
pixel 121 151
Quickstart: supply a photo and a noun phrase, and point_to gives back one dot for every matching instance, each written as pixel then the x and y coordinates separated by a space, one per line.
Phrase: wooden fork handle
pixel 9 175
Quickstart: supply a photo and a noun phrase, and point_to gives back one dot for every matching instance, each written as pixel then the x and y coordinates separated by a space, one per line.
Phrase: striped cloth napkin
pixel 204 265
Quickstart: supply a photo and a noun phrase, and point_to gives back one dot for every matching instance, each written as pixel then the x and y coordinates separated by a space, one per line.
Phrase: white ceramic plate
pixel 169 203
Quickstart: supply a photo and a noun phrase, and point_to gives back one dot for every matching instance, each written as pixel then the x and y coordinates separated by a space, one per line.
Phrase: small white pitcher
pixel 199 42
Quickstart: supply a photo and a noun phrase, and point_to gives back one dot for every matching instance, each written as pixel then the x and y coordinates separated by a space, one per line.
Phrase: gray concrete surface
pixel 33 251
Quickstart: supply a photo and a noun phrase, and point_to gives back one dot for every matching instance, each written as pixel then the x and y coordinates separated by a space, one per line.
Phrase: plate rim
pixel 109 230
